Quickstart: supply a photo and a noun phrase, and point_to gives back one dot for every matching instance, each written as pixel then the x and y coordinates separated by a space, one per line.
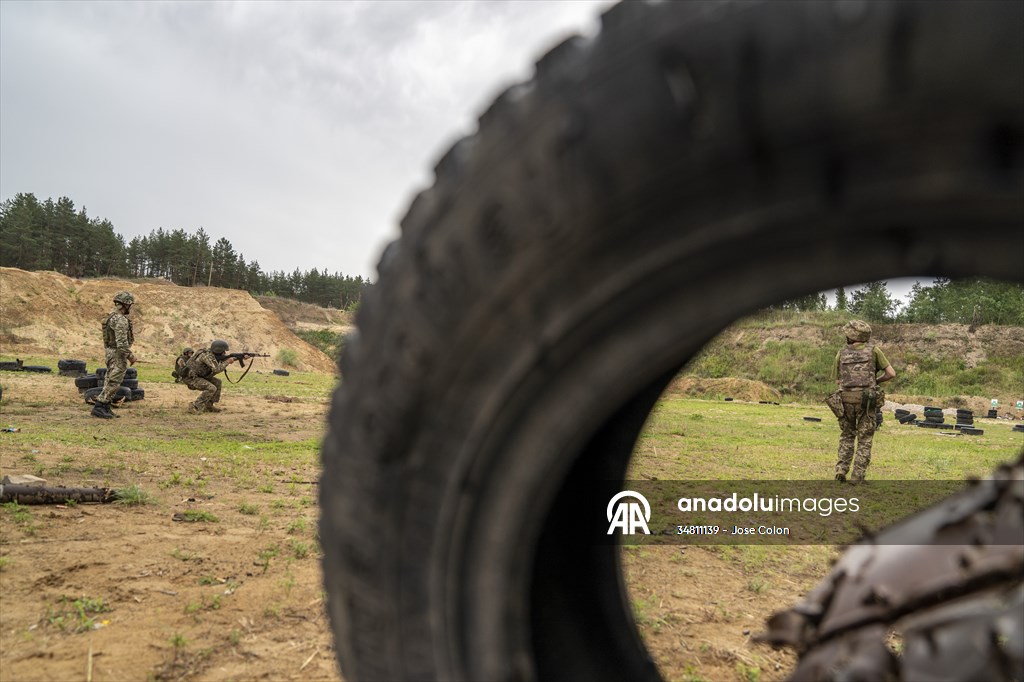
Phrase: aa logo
pixel 629 515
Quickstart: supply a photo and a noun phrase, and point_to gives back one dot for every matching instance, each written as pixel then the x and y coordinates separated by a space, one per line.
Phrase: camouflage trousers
pixel 210 388
pixel 857 431
pixel 116 368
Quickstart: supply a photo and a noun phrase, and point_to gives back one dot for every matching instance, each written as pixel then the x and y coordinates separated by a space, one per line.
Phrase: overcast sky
pixel 299 131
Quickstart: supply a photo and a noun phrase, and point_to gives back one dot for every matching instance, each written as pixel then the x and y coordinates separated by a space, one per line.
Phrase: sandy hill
pixel 46 313
pixel 305 316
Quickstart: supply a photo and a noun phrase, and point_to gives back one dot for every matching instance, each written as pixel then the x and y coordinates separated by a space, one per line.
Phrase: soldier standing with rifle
pixel 118 338
pixel 855 369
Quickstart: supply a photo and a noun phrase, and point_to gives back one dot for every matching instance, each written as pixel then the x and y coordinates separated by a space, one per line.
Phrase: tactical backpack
pixel 857 367
pixel 195 368
pixel 180 372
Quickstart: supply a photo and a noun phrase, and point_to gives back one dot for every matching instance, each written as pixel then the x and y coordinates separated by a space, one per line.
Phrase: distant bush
pixel 287 357
pixel 324 340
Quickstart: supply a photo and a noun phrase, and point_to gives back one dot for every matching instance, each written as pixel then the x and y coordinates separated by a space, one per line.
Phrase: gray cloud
pixel 297 130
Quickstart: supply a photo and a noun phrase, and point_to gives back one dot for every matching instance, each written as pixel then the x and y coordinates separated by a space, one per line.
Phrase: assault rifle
pixel 242 357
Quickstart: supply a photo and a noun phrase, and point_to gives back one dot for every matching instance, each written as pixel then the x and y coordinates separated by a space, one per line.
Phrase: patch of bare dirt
pixel 232 592
pixel 305 316
pixel 717 389
pixel 46 313
pixel 699 610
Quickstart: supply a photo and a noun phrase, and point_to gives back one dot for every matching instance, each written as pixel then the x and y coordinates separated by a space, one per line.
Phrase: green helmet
pixel 219 346
pixel 187 351
pixel 857 331
pixel 124 298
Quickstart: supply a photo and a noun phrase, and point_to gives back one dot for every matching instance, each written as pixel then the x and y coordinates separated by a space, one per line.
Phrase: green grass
pixel 801 368
pixel 199 516
pixel 75 616
pixel 744 441
pixel 133 496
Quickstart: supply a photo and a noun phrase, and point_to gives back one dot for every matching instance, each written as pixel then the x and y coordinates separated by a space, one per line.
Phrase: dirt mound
pixel 299 315
pixel 46 313
pixel 718 389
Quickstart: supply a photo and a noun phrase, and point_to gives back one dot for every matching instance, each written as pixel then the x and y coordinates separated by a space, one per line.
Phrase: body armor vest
pixel 109 337
pixel 857 367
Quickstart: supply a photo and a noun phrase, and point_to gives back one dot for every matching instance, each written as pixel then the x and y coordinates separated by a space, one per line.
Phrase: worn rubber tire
pixel 39 369
pixel 71 364
pixel 90 394
pixel 689 165
pixel 138 393
pixel 88 381
pixel 281 372
pixel 947 579
pixel 130 373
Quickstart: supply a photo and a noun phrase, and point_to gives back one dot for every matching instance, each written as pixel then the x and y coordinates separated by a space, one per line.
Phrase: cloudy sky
pixel 299 131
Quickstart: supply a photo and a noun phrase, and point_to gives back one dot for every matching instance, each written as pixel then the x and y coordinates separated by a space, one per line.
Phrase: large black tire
pixel 71 364
pixel 689 165
pixel 130 373
pixel 88 381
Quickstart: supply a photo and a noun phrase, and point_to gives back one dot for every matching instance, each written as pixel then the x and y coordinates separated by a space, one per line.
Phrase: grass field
pixel 210 569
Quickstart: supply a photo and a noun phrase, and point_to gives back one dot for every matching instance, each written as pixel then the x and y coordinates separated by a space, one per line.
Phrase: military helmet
pixel 124 298
pixel 857 331
pixel 187 351
pixel 219 346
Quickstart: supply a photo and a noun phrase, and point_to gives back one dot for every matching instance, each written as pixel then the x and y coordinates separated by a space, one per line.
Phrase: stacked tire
pixel 904 416
pixel 934 419
pixel 964 418
pixel 130 383
pixel 71 368
pixel 993 413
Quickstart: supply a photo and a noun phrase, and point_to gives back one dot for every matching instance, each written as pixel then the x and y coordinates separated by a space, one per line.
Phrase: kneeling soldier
pixel 201 370
pixel 181 365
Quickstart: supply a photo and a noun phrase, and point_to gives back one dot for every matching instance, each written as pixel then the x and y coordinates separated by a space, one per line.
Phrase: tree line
pixel 54 235
pixel 974 301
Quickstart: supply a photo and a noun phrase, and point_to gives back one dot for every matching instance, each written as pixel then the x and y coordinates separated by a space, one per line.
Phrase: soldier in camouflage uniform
pixel 855 370
pixel 118 338
pixel 181 365
pixel 201 370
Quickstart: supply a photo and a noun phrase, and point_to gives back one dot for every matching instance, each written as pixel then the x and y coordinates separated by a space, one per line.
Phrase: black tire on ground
pixel 71 364
pixel 41 369
pixel 88 381
pixel 899 412
pixel 130 373
pixel 122 395
pixel 972 431
pixel 812 419
pixel 130 383
pixel 652 185
pixel 10 366
pixel 281 372
pixel 90 394
pixel 138 393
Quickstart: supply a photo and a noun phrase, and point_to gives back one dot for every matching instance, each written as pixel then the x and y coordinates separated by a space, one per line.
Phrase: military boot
pixel 102 410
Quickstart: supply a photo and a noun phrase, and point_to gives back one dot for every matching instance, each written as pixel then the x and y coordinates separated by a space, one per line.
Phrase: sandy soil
pixel 46 313
pixel 241 598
